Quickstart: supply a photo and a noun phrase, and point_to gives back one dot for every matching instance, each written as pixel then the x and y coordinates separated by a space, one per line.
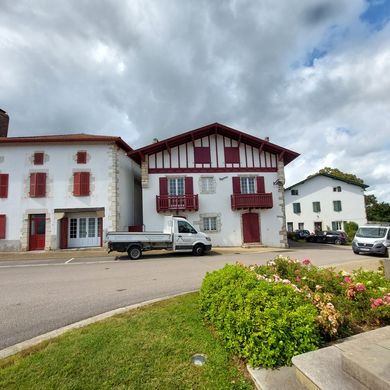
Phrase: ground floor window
pixel 290 226
pixel 84 232
pixel 301 226
pixel 337 225
pixel 210 224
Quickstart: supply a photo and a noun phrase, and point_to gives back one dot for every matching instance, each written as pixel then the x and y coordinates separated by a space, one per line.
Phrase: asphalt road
pixel 40 295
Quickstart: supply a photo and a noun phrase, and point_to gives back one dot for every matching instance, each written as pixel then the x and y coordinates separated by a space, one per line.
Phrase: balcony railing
pixel 180 202
pixel 251 201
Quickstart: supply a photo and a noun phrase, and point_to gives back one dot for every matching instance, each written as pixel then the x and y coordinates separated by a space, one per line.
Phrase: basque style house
pixel 324 202
pixel 227 183
pixel 65 191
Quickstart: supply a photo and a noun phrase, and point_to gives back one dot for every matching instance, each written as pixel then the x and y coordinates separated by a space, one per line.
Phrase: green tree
pixel 342 175
pixel 377 212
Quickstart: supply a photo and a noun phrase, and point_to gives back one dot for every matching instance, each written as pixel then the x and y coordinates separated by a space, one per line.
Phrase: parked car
pixel 373 239
pixel 328 236
pixel 302 234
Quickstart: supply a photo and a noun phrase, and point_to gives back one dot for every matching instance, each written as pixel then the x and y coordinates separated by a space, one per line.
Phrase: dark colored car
pixel 302 234
pixel 329 237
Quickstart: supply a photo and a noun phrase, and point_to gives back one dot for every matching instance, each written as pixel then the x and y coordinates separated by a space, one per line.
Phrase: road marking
pixel 56 264
pixel 67 262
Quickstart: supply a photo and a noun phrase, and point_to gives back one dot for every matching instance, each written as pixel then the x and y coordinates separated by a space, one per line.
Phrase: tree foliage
pixel 342 175
pixel 376 212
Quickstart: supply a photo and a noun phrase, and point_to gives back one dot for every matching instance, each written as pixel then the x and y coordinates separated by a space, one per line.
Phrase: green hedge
pixel 264 323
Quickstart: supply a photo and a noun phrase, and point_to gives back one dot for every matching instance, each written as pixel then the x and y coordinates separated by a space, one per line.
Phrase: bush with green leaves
pixel 265 323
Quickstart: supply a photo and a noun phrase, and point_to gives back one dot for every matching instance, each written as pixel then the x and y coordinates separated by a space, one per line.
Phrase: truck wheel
pixel 198 250
pixel 337 241
pixel 134 252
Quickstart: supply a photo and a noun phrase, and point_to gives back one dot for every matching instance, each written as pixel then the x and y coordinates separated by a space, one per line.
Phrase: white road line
pixel 67 262
pixel 57 264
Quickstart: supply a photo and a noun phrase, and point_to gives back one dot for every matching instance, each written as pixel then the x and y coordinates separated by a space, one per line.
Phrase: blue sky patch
pixel 377 14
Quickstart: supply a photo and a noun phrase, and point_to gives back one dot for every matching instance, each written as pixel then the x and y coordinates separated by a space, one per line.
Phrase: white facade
pixel 110 203
pixel 251 215
pixel 325 203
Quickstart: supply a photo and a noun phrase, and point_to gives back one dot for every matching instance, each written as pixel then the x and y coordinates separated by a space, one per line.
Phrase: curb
pixel 14 349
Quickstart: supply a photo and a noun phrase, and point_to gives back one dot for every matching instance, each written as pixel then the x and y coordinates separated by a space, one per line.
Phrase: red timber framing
pixel 187 201
pixel 213 148
pixel 258 200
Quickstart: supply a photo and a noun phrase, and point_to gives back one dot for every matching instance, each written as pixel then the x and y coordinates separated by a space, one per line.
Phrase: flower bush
pixel 269 313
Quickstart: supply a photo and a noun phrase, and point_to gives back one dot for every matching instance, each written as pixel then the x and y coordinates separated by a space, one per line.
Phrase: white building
pixel 227 183
pixel 324 202
pixel 65 191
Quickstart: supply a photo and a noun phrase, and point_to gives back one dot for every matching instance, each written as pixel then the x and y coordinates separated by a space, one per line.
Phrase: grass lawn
pixel 147 348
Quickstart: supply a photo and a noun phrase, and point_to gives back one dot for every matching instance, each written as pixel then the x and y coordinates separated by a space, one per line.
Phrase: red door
pixel 250 227
pixel 37 232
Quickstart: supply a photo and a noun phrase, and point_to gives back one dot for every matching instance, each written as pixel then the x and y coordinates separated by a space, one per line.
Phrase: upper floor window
pixel 337 205
pixel 202 155
pixel 39 158
pixel 232 155
pixel 176 186
pixel 296 208
pixel 81 184
pixel 316 207
pixel 247 185
pixel 38 185
pixel 337 189
pixel 294 192
pixel 207 185
pixel 4 185
pixel 81 157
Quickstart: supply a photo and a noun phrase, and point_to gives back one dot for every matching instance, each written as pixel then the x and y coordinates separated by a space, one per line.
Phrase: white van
pixel 372 239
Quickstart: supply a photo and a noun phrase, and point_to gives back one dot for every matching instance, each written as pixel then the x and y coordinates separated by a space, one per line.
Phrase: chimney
pixel 4 121
pixel 267 139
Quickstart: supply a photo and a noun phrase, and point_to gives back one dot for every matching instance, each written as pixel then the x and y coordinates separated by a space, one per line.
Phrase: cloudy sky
pixel 313 75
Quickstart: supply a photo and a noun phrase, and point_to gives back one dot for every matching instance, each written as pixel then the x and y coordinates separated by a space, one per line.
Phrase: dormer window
pixel 81 157
pixel 232 155
pixel 202 155
pixel 38 158
pixel 294 192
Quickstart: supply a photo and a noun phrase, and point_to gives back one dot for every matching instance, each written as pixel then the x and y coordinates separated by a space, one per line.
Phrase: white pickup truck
pixel 178 235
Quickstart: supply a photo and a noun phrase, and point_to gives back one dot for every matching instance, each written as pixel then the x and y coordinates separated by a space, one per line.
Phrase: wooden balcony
pixel 180 202
pixel 251 201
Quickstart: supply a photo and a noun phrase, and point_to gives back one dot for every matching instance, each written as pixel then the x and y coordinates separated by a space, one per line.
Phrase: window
pixel 202 155
pixel 232 155
pixel 38 158
pixel 294 192
pixel 38 185
pixel 290 226
pixel 207 185
pixel 210 224
pixel 91 227
pixel 4 185
pixel 316 207
pixel 301 226
pixel 337 205
pixel 81 183
pixel 2 226
pixel 73 228
pixel 247 185
pixel 176 186
pixel 81 157
pixel 337 225
pixel 337 189
pixel 296 208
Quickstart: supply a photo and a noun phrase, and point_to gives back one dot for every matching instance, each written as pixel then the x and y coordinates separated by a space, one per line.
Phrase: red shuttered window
pixel 38 158
pixel 81 183
pixel 260 185
pixel 189 185
pixel 81 157
pixel 232 155
pixel 4 185
pixel 163 186
pixel 236 185
pixel 2 226
pixel 38 185
pixel 202 155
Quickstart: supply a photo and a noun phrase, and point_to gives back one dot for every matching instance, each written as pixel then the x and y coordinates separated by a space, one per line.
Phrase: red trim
pixel 236 185
pixel 81 157
pixel 3 220
pixel 81 183
pixel 38 158
pixel 202 155
pixel 100 224
pixel 163 181
pixel 64 233
pixel 38 185
pixel 253 158
pixel 232 155
pixel 216 148
pixel 135 228
pixel 174 203
pixel 251 201
pixel 260 185
pixel 209 170
pixel 189 185
pixel 4 185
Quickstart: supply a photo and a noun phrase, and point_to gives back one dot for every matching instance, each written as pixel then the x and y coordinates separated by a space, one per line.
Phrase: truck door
pixel 185 236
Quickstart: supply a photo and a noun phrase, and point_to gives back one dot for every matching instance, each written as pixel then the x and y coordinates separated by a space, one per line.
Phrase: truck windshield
pixel 371 232
pixel 185 227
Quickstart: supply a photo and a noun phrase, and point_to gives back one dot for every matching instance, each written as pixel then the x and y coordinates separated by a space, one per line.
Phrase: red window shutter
pixel 2 226
pixel 38 158
pixel 236 185
pixel 77 184
pixel 64 233
pixel 189 185
pixel 81 157
pixel 202 155
pixel 4 185
pixel 84 187
pixel 40 184
pixel 260 185
pixel 163 186
pixel 232 155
